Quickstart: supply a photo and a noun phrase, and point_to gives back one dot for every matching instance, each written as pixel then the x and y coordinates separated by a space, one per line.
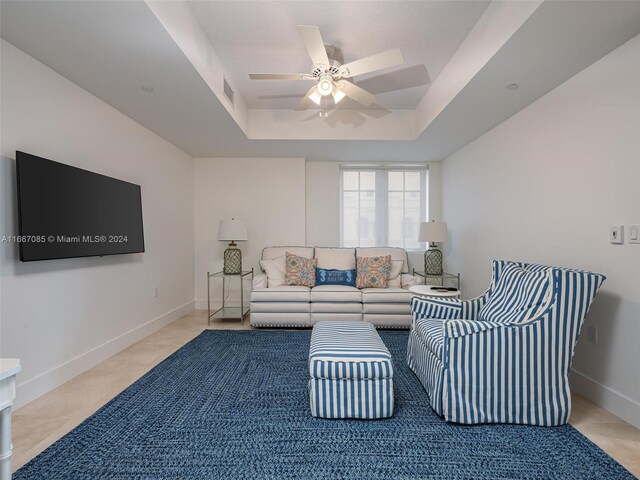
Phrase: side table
pixel 441 279
pixel 226 312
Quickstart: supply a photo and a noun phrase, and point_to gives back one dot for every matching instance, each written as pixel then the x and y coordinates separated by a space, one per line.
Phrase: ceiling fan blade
pixel 305 103
pixel 280 76
pixel 356 93
pixel 315 46
pixel 387 59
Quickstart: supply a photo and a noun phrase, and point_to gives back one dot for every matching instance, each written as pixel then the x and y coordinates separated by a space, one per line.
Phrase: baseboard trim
pixel 202 304
pixel 35 387
pixel 617 403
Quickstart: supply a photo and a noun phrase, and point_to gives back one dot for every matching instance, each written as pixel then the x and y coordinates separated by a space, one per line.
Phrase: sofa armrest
pixel 259 281
pixel 410 280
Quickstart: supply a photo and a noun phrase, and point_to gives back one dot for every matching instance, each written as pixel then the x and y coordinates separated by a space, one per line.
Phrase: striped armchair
pixel 503 357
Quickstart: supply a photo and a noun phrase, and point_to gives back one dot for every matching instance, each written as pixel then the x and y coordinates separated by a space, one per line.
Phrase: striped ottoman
pixel 351 372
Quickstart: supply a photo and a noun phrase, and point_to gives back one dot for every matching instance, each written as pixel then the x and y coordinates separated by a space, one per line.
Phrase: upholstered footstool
pixel 351 371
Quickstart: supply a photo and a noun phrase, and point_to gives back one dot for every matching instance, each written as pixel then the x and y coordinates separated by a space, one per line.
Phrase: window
pixel 383 206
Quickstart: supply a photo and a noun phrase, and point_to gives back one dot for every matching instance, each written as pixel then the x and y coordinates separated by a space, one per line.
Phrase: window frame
pixel 382 199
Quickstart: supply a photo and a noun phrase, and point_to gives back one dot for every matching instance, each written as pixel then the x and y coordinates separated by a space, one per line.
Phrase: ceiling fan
pixel 330 75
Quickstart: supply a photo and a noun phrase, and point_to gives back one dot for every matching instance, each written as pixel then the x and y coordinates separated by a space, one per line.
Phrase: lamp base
pixel 232 261
pixel 433 262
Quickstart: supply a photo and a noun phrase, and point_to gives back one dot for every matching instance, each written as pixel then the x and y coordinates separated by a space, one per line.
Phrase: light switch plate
pixel 634 234
pixel 616 234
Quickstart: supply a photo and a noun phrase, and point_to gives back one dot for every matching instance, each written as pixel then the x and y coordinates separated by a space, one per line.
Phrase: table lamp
pixel 433 232
pixel 232 230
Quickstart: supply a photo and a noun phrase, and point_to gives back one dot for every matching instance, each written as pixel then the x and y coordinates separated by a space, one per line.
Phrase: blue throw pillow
pixel 335 277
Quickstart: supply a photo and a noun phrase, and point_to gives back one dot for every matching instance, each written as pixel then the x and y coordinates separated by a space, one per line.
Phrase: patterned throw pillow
pixel 301 271
pixel 372 272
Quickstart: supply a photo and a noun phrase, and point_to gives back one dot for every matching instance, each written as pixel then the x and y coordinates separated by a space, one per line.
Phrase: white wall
pixel 323 204
pixel 545 186
pixel 60 317
pixel 268 194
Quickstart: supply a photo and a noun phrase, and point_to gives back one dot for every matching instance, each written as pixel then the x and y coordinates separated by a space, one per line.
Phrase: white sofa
pixel 295 306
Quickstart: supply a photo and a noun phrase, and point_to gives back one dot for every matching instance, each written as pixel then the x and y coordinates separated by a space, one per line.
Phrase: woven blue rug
pixel 234 404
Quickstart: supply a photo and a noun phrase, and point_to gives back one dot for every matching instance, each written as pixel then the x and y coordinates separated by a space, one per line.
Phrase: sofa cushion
pixel 280 307
pixel 301 270
pixel 335 293
pixel 336 258
pixel 394 279
pixel 395 252
pixel 372 272
pixel 276 270
pixel 336 307
pixel 431 332
pixel 386 295
pixel 387 308
pixel 519 295
pixel 285 293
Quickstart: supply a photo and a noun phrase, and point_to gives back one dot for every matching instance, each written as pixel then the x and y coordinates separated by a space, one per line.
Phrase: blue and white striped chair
pixel 505 356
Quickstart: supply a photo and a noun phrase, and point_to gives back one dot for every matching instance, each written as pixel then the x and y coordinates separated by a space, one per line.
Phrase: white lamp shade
pixel 435 232
pixel 232 230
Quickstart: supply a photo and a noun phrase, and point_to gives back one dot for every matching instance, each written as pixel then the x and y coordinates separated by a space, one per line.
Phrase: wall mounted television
pixel 66 212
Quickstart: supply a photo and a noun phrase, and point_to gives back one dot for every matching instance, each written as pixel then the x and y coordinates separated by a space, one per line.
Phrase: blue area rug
pixel 235 405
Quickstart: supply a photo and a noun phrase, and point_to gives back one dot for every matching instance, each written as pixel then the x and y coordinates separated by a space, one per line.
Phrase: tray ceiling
pixel 469 51
pixel 258 37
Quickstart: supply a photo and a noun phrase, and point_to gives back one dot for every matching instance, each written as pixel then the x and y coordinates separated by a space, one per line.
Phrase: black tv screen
pixel 65 212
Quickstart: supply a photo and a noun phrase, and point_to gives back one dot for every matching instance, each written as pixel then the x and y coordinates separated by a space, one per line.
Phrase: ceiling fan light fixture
pixel 329 75
pixel 325 85
pixel 337 95
pixel 315 96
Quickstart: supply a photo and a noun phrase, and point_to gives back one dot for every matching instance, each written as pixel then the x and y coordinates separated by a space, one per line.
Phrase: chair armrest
pixel 410 280
pixel 259 281
pixel 460 328
pixel 438 308
pixel 471 307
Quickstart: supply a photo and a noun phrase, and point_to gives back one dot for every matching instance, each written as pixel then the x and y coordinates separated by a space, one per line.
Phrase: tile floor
pixel 42 422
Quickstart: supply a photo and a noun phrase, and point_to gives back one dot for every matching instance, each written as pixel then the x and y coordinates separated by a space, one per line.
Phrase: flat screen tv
pixel 66 212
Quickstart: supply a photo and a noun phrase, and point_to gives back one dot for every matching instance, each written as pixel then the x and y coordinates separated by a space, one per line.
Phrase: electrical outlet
pixel 156 292
pixel 592 334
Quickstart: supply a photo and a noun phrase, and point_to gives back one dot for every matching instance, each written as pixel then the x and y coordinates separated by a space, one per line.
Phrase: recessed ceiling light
pixel 146 88
pixel 513 86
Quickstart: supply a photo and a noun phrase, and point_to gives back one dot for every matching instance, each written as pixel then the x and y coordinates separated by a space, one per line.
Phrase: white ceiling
pixel 111 48
pixel 261 37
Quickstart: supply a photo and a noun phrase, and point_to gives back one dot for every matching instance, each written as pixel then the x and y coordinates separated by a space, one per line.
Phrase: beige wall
pixel 61 317
pixel 268 194
pixel 545 186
